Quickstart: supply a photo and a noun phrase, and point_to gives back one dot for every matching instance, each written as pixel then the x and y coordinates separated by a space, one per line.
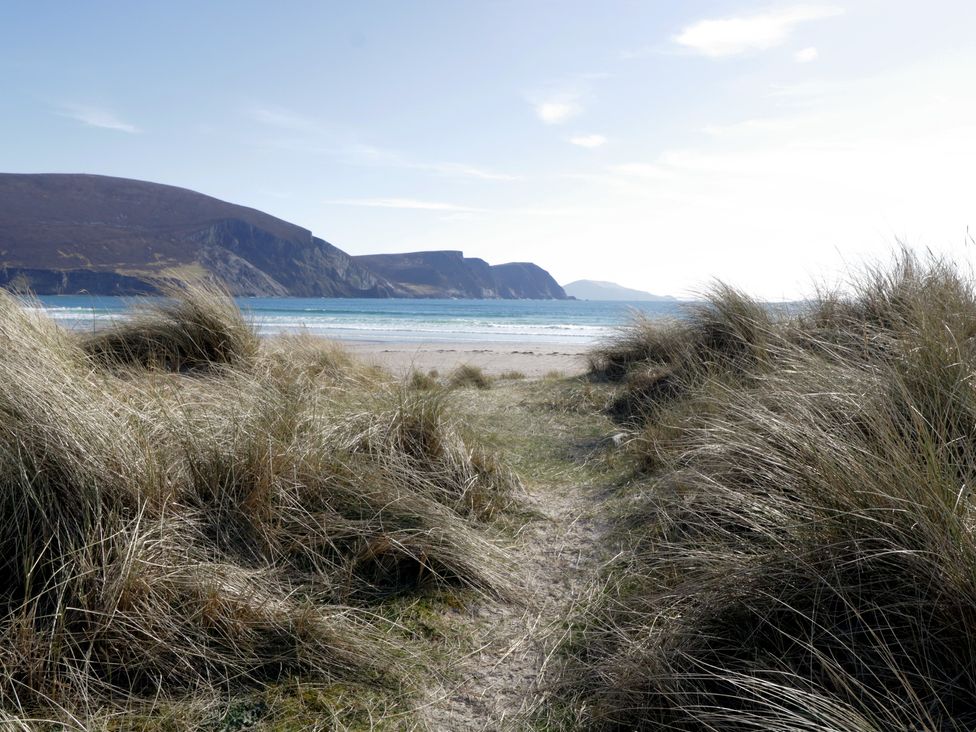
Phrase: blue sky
pixel 655 144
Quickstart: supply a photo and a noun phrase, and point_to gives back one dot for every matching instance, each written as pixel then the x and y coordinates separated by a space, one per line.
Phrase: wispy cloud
pixel 557 111
pixel 97 117
pixel 590 141
pixel 412 204
pixel 457 169
pixel 738 35
pixel 308 135
pixel 806 55
pixel 284 119
pixel 563 100
pixel 459 216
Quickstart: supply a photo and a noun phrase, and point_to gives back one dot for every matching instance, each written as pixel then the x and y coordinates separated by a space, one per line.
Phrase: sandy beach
pixel 531 359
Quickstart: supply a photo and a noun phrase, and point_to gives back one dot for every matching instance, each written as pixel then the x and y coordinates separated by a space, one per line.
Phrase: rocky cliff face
pixel 66 234
pixel 451 274
pixel 433 274
pixel 307 266
pixel 526 280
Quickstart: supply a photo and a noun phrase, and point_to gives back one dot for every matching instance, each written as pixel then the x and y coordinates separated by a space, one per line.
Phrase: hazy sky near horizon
pixel 654 144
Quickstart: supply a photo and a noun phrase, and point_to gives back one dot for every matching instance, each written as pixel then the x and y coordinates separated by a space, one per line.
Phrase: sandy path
pixel 532 359
pixel 555 554
pixel 499 682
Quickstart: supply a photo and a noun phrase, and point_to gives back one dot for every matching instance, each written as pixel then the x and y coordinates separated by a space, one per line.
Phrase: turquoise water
pixel 403 321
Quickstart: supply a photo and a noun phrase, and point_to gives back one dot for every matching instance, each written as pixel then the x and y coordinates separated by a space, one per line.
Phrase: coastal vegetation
pixel 192 519
pixel 744 518
pixel 798 533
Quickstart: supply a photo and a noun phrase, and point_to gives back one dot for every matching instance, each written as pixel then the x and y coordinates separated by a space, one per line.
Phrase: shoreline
pixel 531 358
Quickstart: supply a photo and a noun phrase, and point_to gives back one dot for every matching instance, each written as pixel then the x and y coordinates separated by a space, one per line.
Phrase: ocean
pixel 579 322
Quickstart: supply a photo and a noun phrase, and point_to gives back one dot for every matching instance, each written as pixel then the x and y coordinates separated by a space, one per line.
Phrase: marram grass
pixel 803 542
pixel 187 513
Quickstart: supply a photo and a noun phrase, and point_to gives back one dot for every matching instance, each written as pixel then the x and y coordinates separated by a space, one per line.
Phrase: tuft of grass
pixel 511 376
pixel 418 430
pixel 210 515
pixel 195 327
pixel 419 381
pixel 728 335
pixel 468 375
pixel 307 361
pixel 803 551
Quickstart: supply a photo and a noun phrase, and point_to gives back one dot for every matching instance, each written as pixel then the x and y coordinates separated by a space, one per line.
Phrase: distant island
pixel 73 233
pixel 597 290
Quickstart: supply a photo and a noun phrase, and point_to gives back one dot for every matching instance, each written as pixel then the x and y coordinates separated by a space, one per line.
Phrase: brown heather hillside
pixel 66 233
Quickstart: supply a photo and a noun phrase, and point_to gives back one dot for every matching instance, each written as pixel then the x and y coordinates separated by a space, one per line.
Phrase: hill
pixel 597 290
pixel 525 277
pixel 72 233
pixel 451 274
pixel 67 233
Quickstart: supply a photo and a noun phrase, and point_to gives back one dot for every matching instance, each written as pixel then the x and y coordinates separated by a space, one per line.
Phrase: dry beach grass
pixel 206 531
pixel 801 551
pixel 187 513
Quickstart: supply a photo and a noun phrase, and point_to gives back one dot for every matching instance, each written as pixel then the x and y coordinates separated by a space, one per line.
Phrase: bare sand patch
pixel 531 359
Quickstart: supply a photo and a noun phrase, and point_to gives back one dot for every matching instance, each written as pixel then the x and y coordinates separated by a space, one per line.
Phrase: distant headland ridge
pixel 74 233
pixel 598 290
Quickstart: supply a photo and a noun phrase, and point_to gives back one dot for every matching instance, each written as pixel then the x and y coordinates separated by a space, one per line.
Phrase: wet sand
pixel 531 359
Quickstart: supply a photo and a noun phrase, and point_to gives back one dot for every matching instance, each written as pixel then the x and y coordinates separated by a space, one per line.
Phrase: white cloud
pixel 563 100
pixel 733 36
pixel 878 158
pixel 588 140
pixel 412 204
pixel 556 112
pixel 98 117
pixel 806 55
pixel 782 192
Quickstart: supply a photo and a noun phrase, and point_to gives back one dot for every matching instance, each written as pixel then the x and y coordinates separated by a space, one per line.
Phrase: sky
pixel 659 145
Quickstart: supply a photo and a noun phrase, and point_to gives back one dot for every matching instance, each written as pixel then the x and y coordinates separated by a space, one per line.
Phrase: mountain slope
pixel 526 280
pixel 597 290
pixel 71 233
pixel 65 233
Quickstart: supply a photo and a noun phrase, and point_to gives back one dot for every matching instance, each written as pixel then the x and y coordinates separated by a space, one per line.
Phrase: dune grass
pixel 513 375
pixel 803 554
pixel 469 375
pixel 196 327
pixel 187 514
pixel 420 381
